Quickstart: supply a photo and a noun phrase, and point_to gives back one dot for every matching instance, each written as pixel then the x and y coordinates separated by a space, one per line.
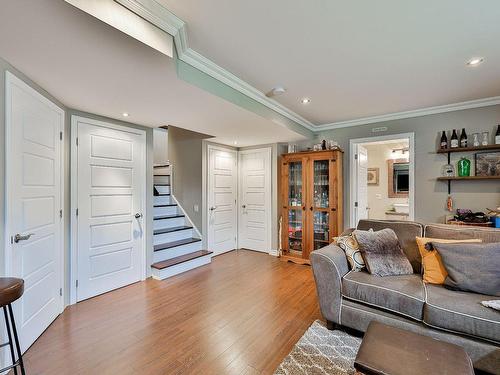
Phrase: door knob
pixel 213 208
pixel 138 215
pixel 22 237
pixel 244 206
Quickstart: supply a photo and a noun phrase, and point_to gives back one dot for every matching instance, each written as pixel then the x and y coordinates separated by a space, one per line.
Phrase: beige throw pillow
pixel 351 249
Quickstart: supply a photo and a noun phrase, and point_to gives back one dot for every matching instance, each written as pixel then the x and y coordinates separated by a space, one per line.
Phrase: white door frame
pixel 269 192
pixel 74 197
pixel 353 173
pixel 11 79
pixel 205 181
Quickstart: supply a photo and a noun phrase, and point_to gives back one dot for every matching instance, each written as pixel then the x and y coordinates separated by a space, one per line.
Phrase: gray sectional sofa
pixel 353 299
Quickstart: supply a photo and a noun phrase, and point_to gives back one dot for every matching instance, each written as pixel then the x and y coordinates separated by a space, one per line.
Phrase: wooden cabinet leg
pixel 331 325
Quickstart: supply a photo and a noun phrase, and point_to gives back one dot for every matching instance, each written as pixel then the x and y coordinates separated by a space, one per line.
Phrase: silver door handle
pixel 213 208
pixel 22 237
pixel 244 206
pixel 138 215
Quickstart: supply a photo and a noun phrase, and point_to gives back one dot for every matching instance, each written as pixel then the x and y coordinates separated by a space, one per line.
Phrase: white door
pixel 110 182
pixel 254 224
pixel 222 194
pixel 362 184
pixel 34 206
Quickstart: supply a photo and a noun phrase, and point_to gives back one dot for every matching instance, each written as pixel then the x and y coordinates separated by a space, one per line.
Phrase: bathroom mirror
pixel 398 178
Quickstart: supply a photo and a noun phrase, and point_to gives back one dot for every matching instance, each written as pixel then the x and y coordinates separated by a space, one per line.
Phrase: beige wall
pixel 378 197
pixel 185 152
pixel 430 195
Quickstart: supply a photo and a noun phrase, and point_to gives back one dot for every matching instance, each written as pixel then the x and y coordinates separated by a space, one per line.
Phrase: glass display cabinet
pixel 311 186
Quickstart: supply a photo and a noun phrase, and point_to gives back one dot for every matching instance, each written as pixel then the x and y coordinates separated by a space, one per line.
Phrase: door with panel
pixel 34 127
pixel 361 204
pixel 254 224
pixel 294 190
pixel 221 202
pixel 110 181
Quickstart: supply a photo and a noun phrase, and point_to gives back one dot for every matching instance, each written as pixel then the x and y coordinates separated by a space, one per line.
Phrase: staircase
pixel 176 243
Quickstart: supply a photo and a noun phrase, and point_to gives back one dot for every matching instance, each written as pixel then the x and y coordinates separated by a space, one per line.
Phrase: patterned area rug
pixel 321 351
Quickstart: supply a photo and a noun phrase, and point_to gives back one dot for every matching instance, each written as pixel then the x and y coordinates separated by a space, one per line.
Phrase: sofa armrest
pixel 329 266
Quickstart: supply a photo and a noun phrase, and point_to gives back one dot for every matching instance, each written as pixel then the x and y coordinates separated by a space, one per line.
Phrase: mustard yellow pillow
pixel 434 271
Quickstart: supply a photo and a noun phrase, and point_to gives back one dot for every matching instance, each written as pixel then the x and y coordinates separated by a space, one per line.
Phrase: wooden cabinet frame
pixel 308 208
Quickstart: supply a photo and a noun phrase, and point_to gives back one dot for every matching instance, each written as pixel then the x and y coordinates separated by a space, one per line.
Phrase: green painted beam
pixel 202 80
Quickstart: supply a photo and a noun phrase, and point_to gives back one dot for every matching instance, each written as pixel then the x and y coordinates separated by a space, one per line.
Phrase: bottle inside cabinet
pixel 321 183
pixel 295 184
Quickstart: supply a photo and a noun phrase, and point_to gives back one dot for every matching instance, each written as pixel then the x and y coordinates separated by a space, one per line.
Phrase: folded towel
pixel 494 304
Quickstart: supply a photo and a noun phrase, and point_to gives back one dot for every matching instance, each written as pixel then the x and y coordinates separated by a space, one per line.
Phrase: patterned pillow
pixel 351 249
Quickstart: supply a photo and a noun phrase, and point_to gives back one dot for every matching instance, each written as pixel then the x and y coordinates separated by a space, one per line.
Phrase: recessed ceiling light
pixel 235 142
pixel 475 61
pixel 305 100
pixel 275 91
pixel 125 114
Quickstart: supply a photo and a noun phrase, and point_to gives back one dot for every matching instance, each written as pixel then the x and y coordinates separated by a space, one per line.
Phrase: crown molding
pixel 485 102
pixel 161 17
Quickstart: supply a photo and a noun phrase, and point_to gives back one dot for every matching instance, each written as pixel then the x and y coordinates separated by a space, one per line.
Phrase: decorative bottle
pixel 463 139
pixel 454 139
pixel 444 141
pixel 463 167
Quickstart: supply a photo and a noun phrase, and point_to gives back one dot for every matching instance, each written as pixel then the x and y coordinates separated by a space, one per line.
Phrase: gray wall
pixel 430 195
pixel 185 153
pixel 67 126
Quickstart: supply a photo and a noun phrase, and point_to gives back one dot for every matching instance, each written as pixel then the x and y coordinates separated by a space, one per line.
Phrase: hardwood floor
pixel 241 314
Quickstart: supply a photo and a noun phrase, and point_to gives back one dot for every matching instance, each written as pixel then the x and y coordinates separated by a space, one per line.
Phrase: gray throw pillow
pixel 471 267
pixel 382 253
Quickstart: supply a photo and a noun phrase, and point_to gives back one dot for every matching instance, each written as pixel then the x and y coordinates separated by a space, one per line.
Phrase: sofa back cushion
pixel 462 232
pixel 406 231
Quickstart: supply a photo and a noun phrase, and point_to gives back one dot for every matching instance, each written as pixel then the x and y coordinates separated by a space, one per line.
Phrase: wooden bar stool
pixel 10 290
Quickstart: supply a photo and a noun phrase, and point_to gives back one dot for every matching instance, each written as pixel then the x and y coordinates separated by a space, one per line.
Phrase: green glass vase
pixel 463 167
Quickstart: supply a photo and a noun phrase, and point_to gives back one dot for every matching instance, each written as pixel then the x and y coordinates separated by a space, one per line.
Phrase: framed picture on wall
pixel 487 163
pixel 373 176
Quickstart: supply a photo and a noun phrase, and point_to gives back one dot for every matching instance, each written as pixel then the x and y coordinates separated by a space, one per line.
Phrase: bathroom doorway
pixel 382 178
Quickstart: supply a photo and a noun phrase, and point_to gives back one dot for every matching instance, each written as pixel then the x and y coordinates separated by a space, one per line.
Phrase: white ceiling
pixel 353 59
pixel 90 66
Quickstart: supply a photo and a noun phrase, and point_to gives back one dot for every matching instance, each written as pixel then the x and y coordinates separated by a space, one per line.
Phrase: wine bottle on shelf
pixel 444 141
pixel 497 135
pixel 463 138
pixel 454 139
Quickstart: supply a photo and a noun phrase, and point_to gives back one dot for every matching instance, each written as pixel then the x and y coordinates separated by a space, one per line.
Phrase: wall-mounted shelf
pixel 449 151
pixel 468 149
pixel 456 178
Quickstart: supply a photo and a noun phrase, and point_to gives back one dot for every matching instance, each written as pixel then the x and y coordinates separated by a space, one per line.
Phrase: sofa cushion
pixel 462 232
pixel 406 232
pixel 432 264
pixel 471 267
pixel 461 312
pixel 402 294
pixel 382 252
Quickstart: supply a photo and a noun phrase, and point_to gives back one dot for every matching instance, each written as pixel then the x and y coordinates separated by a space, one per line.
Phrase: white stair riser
pixel 161 179
pixel 180 268
pixel 177 251
pixel 162 211
pixel 162 170
pixel 172 236
pixel 168 223
pixel 163 189
pixel 162 200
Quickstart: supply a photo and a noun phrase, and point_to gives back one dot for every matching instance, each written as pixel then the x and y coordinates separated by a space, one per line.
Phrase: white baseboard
pixel 274 252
